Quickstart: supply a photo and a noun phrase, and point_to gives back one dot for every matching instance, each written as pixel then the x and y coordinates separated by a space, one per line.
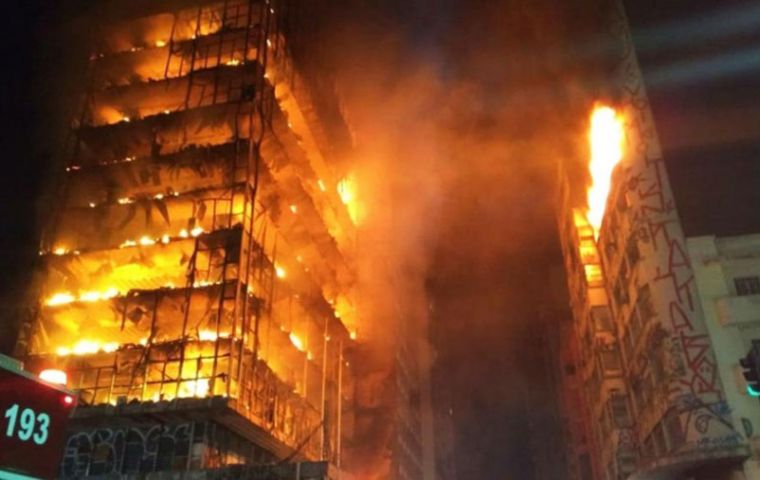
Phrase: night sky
pixel 511 106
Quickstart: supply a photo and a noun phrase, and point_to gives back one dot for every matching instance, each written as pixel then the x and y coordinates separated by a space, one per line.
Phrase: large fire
pixel 606 138
pixel 122 305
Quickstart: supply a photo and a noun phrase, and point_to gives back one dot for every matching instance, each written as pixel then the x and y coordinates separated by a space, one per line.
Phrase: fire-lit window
pixel 593 275
pixel 747 285
pixel 588 251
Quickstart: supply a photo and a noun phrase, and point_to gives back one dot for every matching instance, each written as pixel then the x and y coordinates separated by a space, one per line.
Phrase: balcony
pixel 738 310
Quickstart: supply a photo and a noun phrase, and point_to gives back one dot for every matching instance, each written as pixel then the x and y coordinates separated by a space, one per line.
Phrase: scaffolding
pixel 196 251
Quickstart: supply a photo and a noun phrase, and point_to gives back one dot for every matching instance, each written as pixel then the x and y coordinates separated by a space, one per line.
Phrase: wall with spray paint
pixel 677 395
pixel 155 448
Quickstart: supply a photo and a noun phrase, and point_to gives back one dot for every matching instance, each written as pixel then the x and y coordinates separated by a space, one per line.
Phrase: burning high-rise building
pixel 198 287
pixel 659 398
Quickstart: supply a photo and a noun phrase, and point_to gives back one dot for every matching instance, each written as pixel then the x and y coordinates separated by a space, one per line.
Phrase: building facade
pixel 597 414
pixel 197 281
pixel 726 274
pixel 575 420
pixel 655 363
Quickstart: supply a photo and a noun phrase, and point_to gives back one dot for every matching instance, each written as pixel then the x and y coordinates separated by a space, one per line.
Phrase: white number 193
pixel 27 422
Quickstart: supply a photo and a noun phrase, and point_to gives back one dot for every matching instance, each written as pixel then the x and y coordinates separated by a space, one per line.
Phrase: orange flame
pixel 87 347
pixel 347 189
pixel 606 141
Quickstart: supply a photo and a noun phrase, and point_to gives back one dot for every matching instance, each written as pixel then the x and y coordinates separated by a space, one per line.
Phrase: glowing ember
pixel 60 299
pixel 54 376
pixel 321 185
pixel 210 335
pixel 294 209
pixel 346 191
pixel 296 341
pixel 194 388
pixel 606 141
pixel 160 43
pixel 195 232
pixel 60 251
pixel 280 272
pixel 63 298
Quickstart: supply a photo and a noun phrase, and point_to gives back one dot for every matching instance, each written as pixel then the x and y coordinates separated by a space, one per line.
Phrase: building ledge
pixel 217 409
pixel 287 471
pixel 679 463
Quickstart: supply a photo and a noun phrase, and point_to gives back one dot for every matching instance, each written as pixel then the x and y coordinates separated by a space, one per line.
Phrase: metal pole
pixel 340 406
pixel 306 367
pixel 323 411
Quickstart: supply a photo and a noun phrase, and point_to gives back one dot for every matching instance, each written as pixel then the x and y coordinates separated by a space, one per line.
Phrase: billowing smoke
pixel 393 103
pixel 461 113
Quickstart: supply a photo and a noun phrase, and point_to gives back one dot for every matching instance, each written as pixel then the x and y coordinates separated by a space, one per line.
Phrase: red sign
pixel 33 419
